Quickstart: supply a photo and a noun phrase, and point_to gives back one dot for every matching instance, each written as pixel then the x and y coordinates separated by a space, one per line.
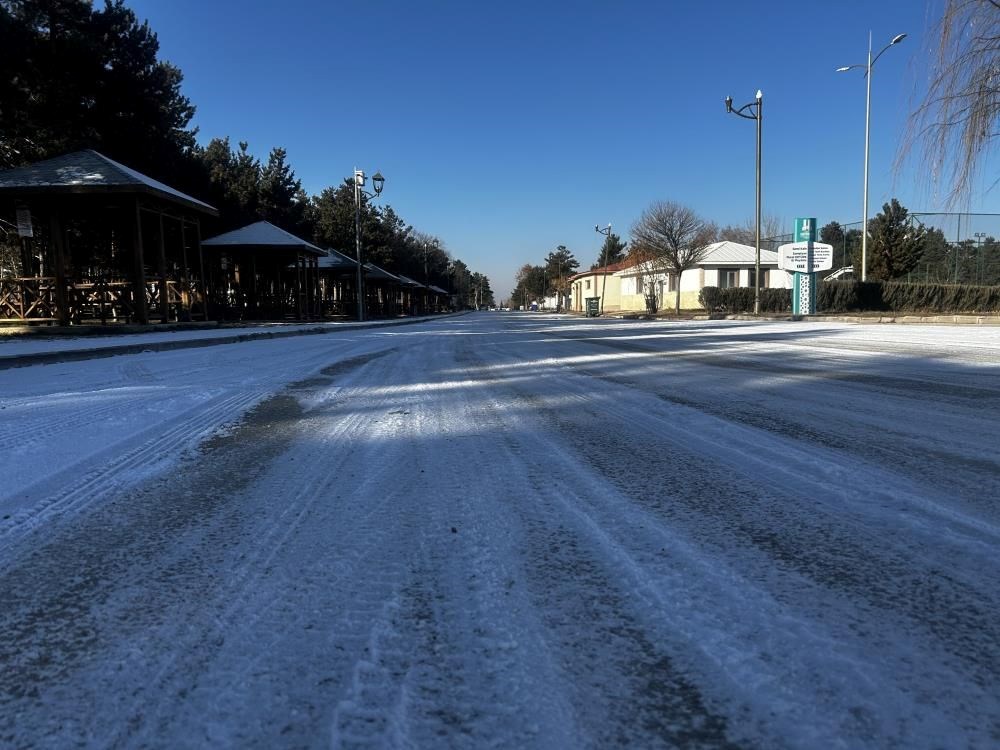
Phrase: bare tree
pixel 673 239
pixel 959 116
pixel 746 233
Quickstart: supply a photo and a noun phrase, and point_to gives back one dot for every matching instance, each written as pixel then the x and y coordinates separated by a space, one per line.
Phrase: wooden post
pixel 186 292
pixel 139 279
pixel 164 296
pixel 201 270
pixel 298 286
pixel 59 260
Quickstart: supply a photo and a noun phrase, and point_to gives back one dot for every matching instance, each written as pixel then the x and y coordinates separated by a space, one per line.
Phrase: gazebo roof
pixel 83 172
pixel 374 272
pixel 407 281
pixel 262 234
pixel 337 261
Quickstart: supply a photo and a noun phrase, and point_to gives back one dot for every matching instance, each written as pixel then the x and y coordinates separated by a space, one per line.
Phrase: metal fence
pixel 962 248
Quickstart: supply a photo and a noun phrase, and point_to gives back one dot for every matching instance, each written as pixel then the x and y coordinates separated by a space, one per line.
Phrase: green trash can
pixel 593 307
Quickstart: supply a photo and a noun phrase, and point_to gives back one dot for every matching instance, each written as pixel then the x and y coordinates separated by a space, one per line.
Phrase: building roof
pixel 407 281
pixel 733 253
pixel 374 272
pixel 725 253
pixel 88 171
pixel 263 234
pixel 610 268
pixel 337 260
pixel 436 289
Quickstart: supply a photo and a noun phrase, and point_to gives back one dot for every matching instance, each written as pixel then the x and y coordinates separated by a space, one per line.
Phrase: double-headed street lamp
pixel 868 109
pixel 604 280
pixel 378 182
pixel 756 112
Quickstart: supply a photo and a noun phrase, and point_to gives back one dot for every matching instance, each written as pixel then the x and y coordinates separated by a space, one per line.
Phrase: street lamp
pixel 604 279
pixel 756 110
pixel 980 264
pixel 378 182
pixel 868 110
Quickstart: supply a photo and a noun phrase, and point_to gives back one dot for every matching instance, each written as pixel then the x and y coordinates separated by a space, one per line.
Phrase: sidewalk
pixel 45 345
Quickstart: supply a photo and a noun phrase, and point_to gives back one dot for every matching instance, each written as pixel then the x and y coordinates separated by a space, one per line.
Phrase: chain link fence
pixel 961 248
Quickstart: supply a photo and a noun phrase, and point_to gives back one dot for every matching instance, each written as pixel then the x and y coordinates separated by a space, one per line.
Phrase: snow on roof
pixel 407 281
pixel 262 234
pixel 337 260
pixel 91 172
pixel 374 272
pixel 727 252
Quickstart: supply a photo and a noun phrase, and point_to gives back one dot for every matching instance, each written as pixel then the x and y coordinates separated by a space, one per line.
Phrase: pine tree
pixel 896 244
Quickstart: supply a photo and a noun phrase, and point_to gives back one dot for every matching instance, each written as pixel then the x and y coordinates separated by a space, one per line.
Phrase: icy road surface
pixel 505 530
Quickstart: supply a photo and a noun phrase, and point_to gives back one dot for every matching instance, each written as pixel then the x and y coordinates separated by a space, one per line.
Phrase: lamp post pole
pixel 756 110
pixel 604 279
pixel 378 181
pixel 868 111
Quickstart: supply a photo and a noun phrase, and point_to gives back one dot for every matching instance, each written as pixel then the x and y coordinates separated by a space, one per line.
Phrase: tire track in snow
pixel 668 448
pixel 457 656
pixel 107 586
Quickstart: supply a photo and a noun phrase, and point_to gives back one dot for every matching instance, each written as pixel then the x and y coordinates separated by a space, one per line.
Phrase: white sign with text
pixel 805 257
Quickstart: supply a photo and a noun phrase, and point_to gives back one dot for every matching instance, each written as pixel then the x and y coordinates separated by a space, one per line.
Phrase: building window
pixel 672 283
pixel 587 284
pixel 763 278
pixel 728 278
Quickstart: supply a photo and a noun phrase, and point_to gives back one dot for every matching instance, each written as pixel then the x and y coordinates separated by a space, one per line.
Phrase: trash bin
pixel 593 307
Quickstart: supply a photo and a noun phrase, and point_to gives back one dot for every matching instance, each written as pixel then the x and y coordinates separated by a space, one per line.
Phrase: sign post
pixel 803 258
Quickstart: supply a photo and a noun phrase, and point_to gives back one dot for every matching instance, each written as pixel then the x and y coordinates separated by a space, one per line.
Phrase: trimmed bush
pixel 710 299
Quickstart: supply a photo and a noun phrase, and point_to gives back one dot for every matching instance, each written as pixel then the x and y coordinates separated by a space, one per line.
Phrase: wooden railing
pixel 28 299
pixel 36 299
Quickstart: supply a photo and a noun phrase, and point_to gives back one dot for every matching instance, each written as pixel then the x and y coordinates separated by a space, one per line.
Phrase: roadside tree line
pixel 79 76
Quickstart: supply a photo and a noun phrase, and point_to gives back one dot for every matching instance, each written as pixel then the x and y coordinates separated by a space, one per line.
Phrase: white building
pixel 725 264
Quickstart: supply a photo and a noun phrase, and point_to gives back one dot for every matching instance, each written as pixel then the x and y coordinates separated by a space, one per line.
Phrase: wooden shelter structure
pixel 99 242
pixel 382 292
pixel 338 284
pixel 262 272
pixel 439 298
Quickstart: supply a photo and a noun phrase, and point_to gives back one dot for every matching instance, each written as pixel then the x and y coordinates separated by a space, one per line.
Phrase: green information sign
pixel 804 284
pixel 805 230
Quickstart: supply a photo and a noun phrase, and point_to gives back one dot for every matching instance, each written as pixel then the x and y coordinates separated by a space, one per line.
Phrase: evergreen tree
pixel 280 197
pixel 78 77
pixel 612 251
pixel 896 243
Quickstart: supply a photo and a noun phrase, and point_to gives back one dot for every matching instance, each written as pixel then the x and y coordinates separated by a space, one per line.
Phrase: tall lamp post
pixel 378 182
pixel 604 279
pixel 868 110
pixel 980 265
pixel 756 112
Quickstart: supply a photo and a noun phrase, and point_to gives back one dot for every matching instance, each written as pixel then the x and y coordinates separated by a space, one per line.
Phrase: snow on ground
pixel 508 530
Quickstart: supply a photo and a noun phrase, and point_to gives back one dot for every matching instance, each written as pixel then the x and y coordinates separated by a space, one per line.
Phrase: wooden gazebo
pixel 100 242
pixel 262 272
pixel 337 284
pixel 382 292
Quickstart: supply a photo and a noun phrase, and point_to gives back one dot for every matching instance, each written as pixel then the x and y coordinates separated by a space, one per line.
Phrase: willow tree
pixel 958 119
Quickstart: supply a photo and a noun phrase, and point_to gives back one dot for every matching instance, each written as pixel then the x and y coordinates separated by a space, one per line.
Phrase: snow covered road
pixel 508 530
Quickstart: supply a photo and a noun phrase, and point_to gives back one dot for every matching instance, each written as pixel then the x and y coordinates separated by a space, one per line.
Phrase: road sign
pixel 805 257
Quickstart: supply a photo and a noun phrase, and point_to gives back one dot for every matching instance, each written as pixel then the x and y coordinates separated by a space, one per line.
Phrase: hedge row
pixel 895 296
pixel 857 296
pixel 740 300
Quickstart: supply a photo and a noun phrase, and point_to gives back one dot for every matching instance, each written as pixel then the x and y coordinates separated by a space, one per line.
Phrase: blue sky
pixel 508 128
